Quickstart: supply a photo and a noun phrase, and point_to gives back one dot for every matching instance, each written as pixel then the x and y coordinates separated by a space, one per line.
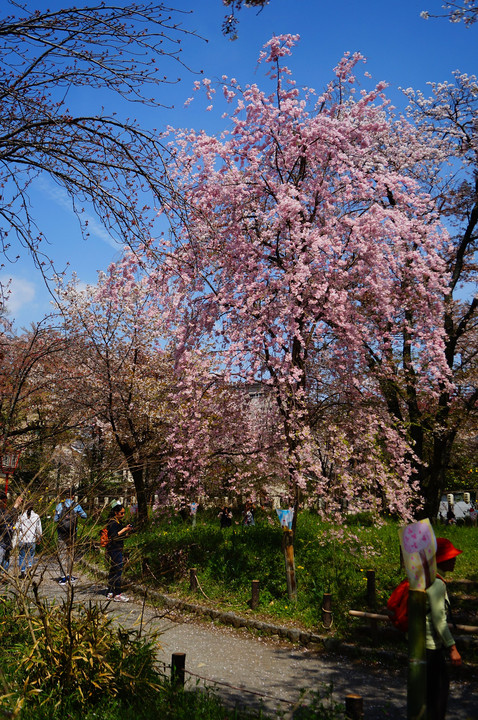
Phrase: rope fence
pixel 353 702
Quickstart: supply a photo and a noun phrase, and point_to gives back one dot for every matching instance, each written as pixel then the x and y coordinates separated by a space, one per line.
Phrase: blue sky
pixel 401 48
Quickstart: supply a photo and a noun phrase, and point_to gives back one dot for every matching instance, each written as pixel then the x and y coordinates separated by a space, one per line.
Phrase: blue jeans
pixel 26 556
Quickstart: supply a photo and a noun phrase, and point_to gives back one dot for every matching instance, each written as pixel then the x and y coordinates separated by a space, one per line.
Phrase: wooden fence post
pixel 354 707
pixel 372 603
pixel 193 580
pixel 327 610
pixel 255 594
pixel 178 664
pixel 371 590
pixel 417 662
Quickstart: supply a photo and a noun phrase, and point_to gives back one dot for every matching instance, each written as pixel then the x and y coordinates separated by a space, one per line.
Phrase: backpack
pixel 67 521
pixel 397 604
pixel 104 539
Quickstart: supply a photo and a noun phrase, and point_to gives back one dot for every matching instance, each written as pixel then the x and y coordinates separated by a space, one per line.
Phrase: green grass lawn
pixel 328 559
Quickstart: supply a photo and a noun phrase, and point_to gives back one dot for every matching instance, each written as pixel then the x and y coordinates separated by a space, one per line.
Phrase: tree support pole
pixel 417 658
pixel 327 610
pixel 288 547
pixel 193 580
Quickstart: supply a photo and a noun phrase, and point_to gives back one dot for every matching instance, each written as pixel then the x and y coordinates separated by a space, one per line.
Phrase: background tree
pixel 122 378
pixel 31 413
pixel 445 163
pixel 226 437
pixel 229 26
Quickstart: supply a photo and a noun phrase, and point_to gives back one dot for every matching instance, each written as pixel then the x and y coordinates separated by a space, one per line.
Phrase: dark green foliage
pixel 81 668
pixel 166 705
pixel 55 654
pixel 361 519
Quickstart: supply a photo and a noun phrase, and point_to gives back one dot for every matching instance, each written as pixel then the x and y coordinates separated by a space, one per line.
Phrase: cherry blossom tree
pixel 305 247
pixel 123 376
pixel 33 418
pixel 26 361
pixel 224 439
pixel 465 11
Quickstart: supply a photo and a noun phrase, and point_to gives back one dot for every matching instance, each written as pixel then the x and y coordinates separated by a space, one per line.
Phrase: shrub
pixel 78 654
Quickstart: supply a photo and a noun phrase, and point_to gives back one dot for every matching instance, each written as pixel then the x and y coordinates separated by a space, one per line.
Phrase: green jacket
pixel 438 633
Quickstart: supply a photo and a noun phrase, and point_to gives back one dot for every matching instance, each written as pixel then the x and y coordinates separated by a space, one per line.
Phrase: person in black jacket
pixel 7 520
pixel 117 532
pixel 225 517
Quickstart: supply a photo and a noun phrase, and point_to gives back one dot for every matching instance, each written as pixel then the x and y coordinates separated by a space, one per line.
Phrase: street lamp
pixel 8 464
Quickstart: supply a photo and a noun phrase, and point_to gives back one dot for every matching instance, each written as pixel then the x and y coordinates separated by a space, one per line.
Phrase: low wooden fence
pixel 353 703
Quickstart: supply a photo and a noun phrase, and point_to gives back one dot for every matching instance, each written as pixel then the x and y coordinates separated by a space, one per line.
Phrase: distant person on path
pixel 117 532
pixel 225 517
pixel 439 639
pixel 7 521
pixel 66 517
pixel 29 533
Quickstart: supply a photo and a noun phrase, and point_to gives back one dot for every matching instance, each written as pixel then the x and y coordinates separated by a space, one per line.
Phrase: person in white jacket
pixel 29 532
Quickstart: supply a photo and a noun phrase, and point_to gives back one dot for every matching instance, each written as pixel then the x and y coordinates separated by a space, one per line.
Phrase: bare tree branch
pixel 99 159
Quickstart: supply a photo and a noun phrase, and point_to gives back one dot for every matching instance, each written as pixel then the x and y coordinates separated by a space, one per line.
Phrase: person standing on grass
pixel 439 639
pixel 29 533
pixel 450 515
pixel 248 518
pixel 66 517
pixel 117 532
pixel 225 517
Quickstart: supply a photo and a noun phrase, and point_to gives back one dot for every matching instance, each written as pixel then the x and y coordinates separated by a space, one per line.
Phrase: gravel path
pixel 256 671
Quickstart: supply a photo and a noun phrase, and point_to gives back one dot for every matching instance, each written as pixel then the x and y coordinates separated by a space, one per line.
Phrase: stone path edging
pixel 295 635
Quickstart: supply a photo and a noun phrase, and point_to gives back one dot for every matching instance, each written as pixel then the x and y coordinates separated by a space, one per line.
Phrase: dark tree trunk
pixel 434 481
pixel 141 494
pixel 137 472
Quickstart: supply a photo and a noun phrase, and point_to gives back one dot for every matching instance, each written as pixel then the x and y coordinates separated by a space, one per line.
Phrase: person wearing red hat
pixel 439 639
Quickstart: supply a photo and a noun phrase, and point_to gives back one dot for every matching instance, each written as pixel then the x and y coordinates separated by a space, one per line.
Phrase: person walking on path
pixel 29 533
pixel 439 639
pixel 7 522
pixel 66 517
pixel 117 532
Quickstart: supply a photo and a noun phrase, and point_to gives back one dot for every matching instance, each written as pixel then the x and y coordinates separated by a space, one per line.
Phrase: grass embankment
pixel 329 559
